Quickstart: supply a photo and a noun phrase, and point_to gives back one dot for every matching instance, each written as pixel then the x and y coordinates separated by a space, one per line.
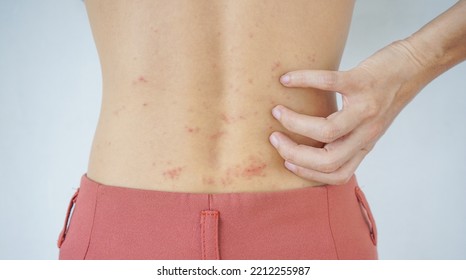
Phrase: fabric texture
pixel 323 222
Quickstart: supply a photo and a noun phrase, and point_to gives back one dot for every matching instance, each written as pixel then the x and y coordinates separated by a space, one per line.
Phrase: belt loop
pixel 64 230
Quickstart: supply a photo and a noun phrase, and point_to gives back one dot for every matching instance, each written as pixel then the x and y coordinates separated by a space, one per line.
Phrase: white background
pixel 50 87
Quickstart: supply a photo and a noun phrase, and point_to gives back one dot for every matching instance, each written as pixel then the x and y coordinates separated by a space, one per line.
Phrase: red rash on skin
pixel 173 173
pixel 141 79
pixel 231 119
pixel 192 129
pixel 275 65
pixel 208 180
pixel 217 135
pixel 254 169
pixel 225 118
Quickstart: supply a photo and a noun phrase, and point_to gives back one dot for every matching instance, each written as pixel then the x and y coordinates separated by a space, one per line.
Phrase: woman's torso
pixel 188 88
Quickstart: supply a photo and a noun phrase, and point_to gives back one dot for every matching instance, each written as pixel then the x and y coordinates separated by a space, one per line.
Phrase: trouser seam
pixel 93 221
pixel 330 224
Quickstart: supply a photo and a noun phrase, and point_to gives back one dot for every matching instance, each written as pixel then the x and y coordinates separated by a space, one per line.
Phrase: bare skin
pixel 188 89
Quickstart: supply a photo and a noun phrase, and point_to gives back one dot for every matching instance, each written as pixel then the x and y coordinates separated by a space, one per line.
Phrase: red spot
pixel 254 169
pixel 226 181
pixel 173 173
pixel 255 113
pixel 217 135
pixel 117 111
pixel 250 80
pixel 192 129
pixel 276 65
pixel 225 118
pixel 140 79
pixel 311 58
pixel 208 180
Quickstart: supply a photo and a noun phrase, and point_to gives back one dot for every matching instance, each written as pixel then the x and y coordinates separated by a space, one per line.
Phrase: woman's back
pixel 188 88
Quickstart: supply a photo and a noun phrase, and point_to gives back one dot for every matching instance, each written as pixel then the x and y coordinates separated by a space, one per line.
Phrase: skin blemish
pixel 276 65
pixel 311 58
pixel 214 65
pixel 251 35
pixel 173 173
pixel 250 81
pixel 225 118
pixel 208 180
pixel 217 135
pixel 226 181
pixel 145 104
pixel 255 113
pixel 153 163
pixel 219 33
pixel 117 111
pixel 192 129
pixel 254 169
pixel 140 80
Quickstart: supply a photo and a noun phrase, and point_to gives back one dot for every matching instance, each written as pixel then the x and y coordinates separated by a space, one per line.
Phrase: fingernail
pixel 290 166
pixel 274 140
pixel 276 113
pixel 285 79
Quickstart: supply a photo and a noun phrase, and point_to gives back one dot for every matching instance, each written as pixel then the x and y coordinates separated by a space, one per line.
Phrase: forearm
pixel 439 45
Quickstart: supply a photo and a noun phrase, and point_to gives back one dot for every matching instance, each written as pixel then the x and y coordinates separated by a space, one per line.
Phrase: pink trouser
pixel 324 222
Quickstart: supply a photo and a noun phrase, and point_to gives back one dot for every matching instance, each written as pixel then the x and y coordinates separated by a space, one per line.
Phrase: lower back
pixel 188 89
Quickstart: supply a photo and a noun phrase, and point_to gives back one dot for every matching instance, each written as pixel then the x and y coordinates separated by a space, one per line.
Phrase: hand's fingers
pixel 319 128
pixel 339 177
pixel 320 79
pixel 303 155
pixel 327 159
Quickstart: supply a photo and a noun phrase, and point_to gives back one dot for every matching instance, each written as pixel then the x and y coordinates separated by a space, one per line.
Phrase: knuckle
pixel 288 120
pixel 329 166
pixel 329 132
pixel 375 130
pixel 290 153
pixel 371 109
pixel 330 79
pixel 342 178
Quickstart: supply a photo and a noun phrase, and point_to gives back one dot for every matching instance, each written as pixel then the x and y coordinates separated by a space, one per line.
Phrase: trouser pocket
pixel 64 231
pixel 367 213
